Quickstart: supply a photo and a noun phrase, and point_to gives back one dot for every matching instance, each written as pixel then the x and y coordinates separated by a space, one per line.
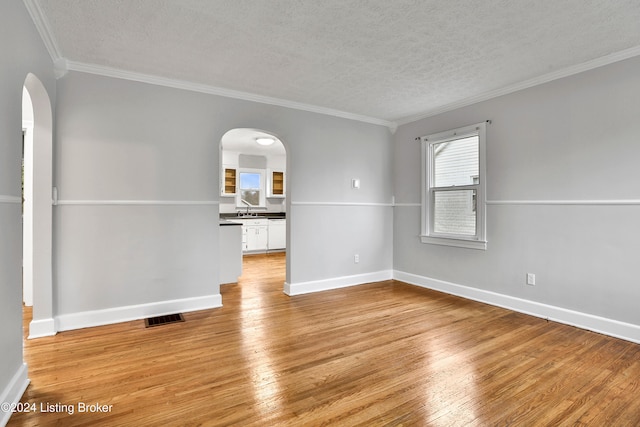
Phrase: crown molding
pixel 60 68
pixel 213 90
pixel 42 25
pixel 63 65
pixel 545 78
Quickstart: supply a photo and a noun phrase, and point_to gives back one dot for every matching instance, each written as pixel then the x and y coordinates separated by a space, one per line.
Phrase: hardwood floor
pixel 382 354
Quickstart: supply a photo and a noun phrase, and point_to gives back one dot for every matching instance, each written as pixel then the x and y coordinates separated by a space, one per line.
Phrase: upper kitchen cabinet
pixel 276 187
pixel 229 181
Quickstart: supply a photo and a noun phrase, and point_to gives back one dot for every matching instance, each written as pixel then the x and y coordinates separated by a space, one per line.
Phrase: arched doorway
pixel 260 156
pixel 27 198
pixel 38 224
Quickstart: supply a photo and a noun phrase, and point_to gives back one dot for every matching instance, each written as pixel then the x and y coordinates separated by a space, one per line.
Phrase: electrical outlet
pixel 531 279
pixel 356 258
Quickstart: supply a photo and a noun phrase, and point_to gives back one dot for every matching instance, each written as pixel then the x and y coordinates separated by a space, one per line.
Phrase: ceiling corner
pixel 43 27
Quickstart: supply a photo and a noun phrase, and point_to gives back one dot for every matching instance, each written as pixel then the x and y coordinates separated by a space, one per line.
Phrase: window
pixel 251 191
pixel 453 199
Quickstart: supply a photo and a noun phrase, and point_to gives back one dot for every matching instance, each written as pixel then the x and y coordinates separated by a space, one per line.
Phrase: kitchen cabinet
pixel 229 181
pixel 276 184
pixel 257 236
pixel 262 234
pixel 277 234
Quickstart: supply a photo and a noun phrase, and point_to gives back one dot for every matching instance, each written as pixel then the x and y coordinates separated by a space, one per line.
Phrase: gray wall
pixel 573 141
pixel 122 140
pixel 21 52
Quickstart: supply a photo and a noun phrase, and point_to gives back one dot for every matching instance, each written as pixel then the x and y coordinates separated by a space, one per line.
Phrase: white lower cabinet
pixel 255 234
pixel 277 234
pixel 257 237
pixel 261 235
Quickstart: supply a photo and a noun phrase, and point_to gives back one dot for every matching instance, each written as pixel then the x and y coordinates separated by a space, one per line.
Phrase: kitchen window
pixel 251 191
pixel 453 182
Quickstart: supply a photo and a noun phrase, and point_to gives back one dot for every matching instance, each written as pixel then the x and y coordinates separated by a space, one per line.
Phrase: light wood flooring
pixel 381 354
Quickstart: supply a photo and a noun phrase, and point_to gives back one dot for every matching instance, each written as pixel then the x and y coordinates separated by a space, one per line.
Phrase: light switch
pixel 531 279
pixel 355 183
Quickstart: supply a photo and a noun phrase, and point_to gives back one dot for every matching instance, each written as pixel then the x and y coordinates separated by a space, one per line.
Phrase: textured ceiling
pixel 382 59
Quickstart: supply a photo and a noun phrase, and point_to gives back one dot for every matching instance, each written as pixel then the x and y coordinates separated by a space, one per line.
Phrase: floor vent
pixel 163 320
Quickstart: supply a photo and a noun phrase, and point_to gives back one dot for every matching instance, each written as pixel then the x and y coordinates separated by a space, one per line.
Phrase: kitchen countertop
pixel 262 215
pixel 224 222
pixel 226 219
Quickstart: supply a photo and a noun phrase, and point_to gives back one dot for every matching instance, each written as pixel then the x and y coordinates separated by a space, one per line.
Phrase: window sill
pixel 459 243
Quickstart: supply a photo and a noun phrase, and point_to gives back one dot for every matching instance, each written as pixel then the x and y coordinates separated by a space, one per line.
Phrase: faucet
pixel 248 205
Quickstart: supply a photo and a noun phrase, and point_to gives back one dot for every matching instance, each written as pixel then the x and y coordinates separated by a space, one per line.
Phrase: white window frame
pixel 428 235
pixel 263 202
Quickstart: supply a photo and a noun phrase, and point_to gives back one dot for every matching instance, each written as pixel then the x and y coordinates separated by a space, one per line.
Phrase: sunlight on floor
pixel 255 341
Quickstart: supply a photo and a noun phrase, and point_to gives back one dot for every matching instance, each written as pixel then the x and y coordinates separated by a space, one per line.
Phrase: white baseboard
pixel 42 328
pixel 336 283
pixel 14 391
pixel 614 328
pixel 87 319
